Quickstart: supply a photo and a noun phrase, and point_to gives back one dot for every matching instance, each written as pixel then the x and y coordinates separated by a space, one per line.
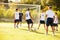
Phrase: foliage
pixel 55 3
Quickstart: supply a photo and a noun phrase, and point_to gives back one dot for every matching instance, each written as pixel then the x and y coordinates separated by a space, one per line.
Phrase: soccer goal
pixel 9 9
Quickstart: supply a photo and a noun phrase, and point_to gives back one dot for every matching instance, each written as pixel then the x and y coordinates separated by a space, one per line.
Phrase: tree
pixel 55 3
pixel 5 1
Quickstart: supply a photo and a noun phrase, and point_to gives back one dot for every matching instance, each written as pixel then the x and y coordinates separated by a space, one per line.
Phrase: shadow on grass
pixel 57 36
pixel 24 29
pixel 37 32
pixel 55 31
pixel 33 31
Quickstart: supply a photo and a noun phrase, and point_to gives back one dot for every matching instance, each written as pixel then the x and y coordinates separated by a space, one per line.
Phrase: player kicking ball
pixel 29 19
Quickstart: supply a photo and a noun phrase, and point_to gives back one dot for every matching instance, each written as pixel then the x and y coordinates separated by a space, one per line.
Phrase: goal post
pixel 34 8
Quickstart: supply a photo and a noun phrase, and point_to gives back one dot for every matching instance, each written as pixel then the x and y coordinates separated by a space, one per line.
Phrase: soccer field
pixel 7 32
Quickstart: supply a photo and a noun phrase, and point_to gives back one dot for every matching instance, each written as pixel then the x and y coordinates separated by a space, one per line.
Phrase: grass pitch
pixel 7 32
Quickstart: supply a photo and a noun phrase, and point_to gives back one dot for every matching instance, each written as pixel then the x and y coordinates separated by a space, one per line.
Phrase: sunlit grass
pixel 7 32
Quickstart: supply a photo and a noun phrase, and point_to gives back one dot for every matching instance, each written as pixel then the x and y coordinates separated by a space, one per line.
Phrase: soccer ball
pixel 35 29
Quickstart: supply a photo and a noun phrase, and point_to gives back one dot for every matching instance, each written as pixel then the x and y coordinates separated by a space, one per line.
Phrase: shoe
pixel 53 34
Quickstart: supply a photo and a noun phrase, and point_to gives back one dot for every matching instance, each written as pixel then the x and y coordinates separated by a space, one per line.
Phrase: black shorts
pixel 42 22
pixel 16 20
pixel 20 19
pixel 55 24
pixel 29 21
pixel 49 22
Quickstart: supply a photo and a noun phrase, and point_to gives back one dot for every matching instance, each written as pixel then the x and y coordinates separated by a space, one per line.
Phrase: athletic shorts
pixel 29 21
pixel 17 20
pixel 49 22
pixel 20 19
pixel 54 24
pixel 42 22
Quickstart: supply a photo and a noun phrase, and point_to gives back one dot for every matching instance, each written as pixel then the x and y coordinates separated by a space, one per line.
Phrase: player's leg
pixel 56 27
pixel 52 26
pixel 32 25
pixel 31 22
pixel 20 24
pixel 46 27
pixel 44 24
pixel 28 27
pixel 28 24
pixel 20 21
pixel 53 30
pixel 14 23
pixel 39 24
pixel 17 23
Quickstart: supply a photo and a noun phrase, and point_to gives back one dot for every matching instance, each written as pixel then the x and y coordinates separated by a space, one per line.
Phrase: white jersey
pixel 16 15
pixel 50 14
pixel 27 15
pixel 56 20
pixel 42 16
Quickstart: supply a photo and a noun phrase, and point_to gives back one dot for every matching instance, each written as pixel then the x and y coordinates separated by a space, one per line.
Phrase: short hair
pixel 56 13
pixel 50 7
pixel 28 9
pixel 16 9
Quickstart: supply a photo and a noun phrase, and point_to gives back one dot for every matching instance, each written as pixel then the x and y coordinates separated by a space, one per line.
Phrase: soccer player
pixel 42 19
pixel 29 19
pixel 55 23
pixel 16 18
pixel 50 17
pixel 20 17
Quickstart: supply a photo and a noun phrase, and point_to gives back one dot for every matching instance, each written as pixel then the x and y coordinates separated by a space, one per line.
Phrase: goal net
pixel 7 11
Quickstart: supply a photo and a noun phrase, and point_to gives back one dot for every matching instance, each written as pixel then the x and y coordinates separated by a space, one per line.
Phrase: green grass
pixel 7 32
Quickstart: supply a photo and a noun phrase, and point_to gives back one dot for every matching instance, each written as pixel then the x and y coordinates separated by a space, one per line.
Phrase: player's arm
pixel 31 16
pixel 54 16
pixel 57 18
pixel 24 16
